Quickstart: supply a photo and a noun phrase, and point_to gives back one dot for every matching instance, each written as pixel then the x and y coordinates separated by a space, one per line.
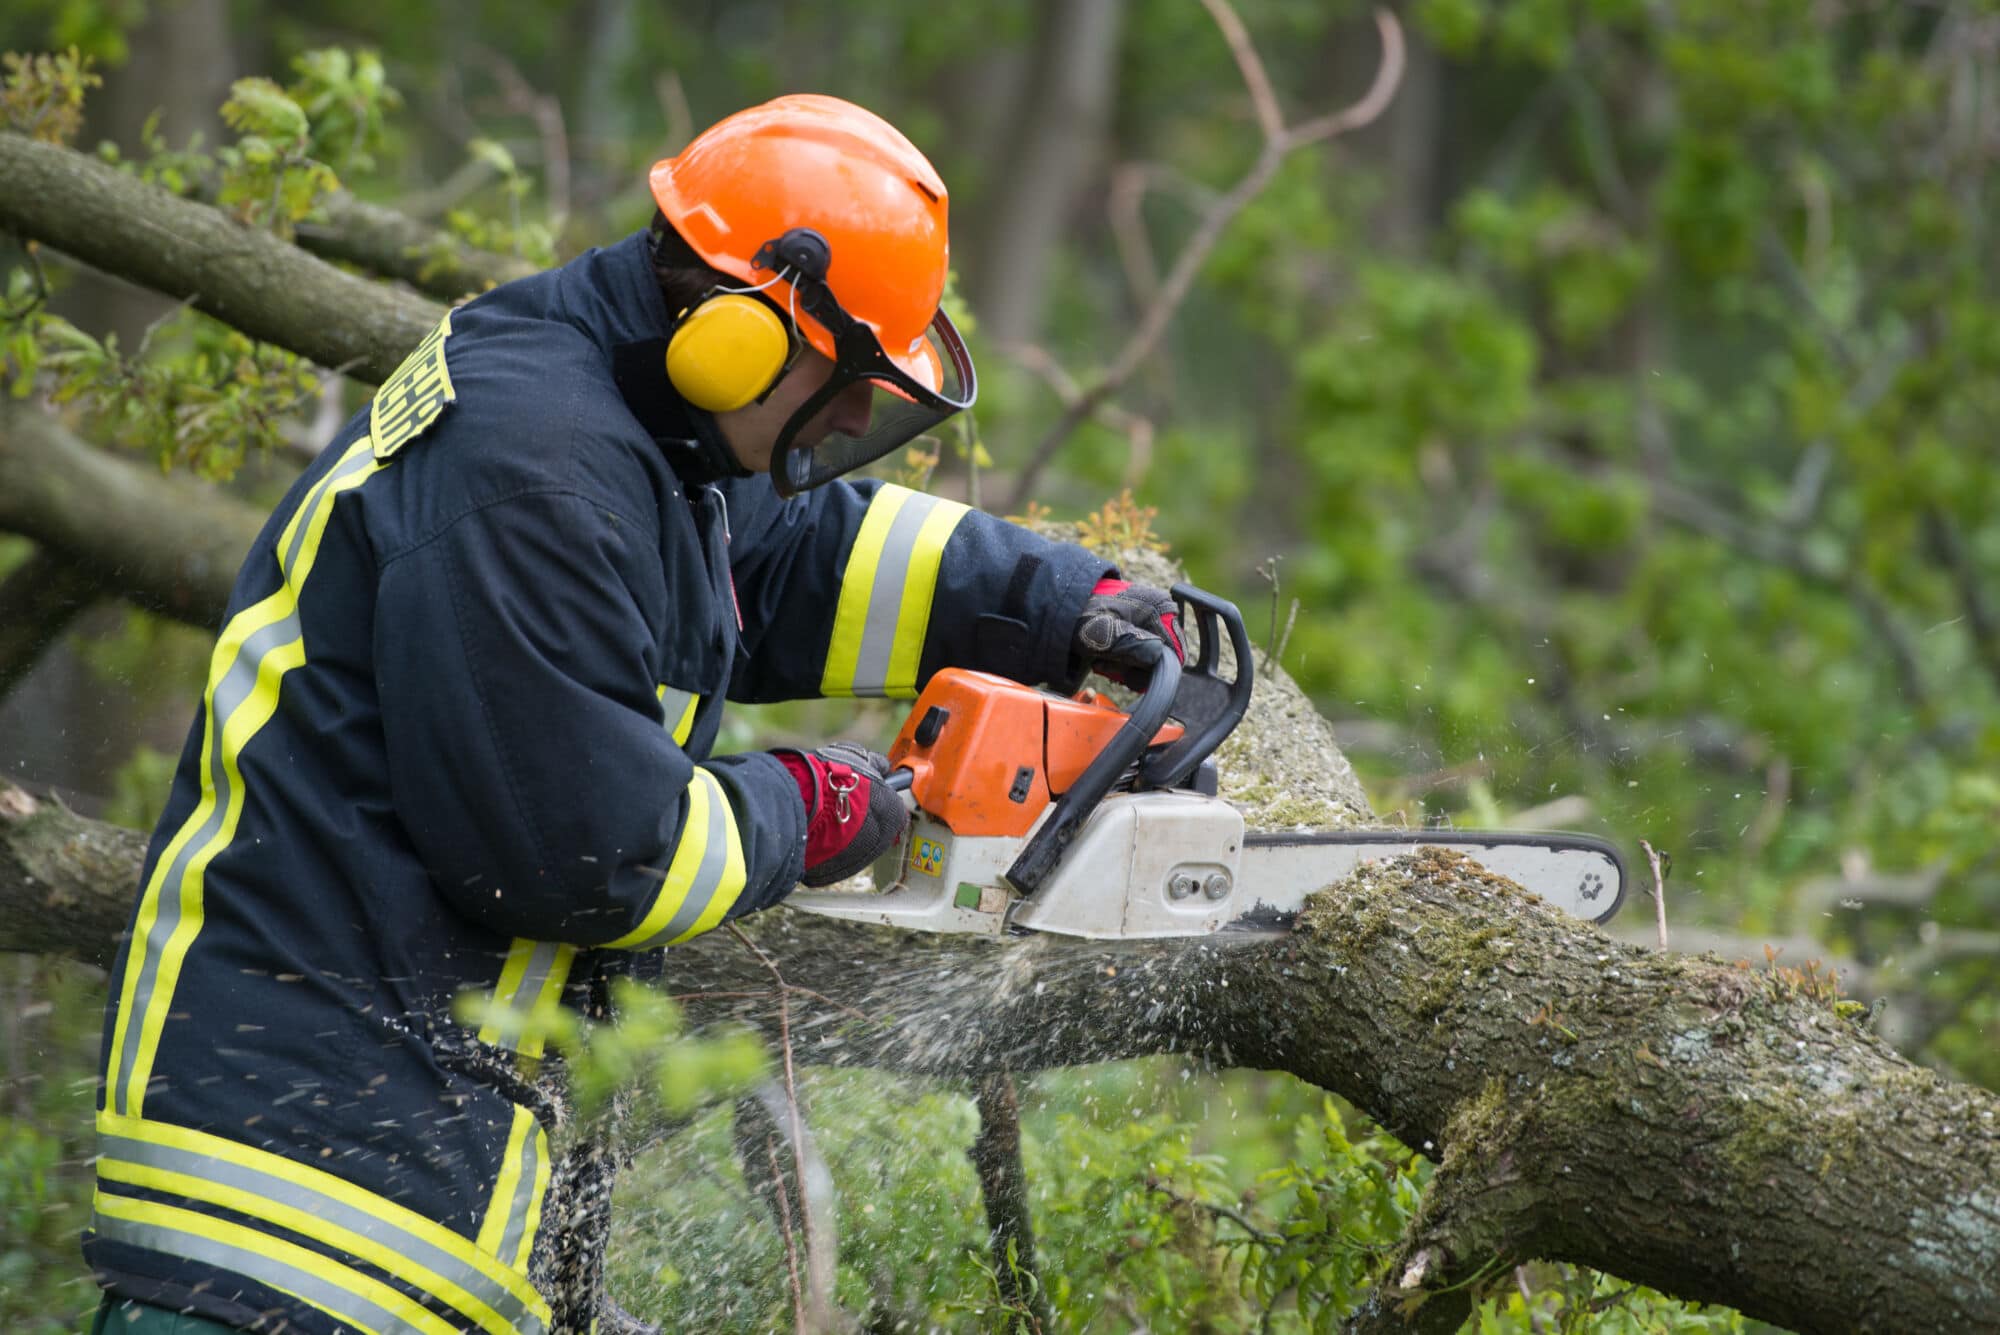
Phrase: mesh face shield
pixel 869 405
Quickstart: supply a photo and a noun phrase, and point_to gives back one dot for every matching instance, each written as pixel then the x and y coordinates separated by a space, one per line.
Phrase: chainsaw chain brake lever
pixel 1044 849
pixel 1207 705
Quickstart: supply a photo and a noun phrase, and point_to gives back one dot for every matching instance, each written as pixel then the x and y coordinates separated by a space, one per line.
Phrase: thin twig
pixel 1661 863
pixel 785 1228
pixel 1263 1236
pixel 33 301
pixel 1291 620
pixel 795 1129
pixel 1279 143
pixel 1268 568
pixel 1128 231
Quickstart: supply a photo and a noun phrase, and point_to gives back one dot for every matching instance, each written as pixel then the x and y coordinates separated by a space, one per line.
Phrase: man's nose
pixel 852 409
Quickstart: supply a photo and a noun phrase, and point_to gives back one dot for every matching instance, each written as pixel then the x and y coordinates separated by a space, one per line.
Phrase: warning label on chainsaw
pixel 927 856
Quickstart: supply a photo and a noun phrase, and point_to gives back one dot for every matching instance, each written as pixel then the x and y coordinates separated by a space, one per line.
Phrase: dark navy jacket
pixel 457 739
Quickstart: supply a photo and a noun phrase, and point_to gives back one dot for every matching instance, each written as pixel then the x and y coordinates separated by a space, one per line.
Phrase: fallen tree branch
pixel 267 288
pixel 1691 1126
pixel 169 544
pixel 393 244
pixel 41 597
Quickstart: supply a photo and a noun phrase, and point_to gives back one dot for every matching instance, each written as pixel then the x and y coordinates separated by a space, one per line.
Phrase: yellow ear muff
pixel 726 352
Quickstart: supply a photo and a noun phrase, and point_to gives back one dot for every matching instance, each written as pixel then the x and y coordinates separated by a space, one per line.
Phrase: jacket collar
pixel 610 294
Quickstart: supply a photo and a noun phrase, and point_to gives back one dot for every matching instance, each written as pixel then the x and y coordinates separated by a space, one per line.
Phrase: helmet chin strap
pixel 705 456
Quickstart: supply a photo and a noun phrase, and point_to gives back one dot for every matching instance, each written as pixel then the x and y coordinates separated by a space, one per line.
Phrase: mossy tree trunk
pixel 1720 1134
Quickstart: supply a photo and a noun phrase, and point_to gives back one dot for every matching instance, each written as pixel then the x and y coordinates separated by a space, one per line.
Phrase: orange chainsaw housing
pixel 986 754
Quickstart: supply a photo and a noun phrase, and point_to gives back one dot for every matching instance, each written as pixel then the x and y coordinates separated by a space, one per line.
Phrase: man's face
pixel 752 431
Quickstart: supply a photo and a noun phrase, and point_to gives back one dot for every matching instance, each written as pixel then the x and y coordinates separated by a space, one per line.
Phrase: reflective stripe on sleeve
pixel 515 1210
pixel 886 593
pixel 257 648
pixel 705 876
pixel 677 712
pixel 488 1292
pixel 531 983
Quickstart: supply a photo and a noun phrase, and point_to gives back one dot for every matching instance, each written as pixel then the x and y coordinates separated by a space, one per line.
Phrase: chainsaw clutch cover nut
pixel 1182 885
pixel 1217 885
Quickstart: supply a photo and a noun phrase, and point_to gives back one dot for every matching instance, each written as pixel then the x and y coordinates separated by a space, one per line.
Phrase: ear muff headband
pixel 727 352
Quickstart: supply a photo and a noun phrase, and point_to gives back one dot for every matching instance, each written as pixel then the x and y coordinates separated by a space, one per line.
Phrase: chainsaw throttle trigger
pixel 1209 706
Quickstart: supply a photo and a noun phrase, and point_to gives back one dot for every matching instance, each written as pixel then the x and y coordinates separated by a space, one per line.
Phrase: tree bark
pixel 1003 1186
pixel 42 596
pixel 166 543
pixel 395 245
pixel 264 286
pixel 1056 135
pixel 1716 1133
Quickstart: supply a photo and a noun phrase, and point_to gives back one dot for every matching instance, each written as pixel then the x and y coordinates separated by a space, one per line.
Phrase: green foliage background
pixel 1630 439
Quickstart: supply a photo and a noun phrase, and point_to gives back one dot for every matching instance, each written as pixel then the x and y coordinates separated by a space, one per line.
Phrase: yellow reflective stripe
pixel 257 648
pixel 886 594
pixel 509 986
pixel 705 877
pixel 354 1299
pixel 913 620
pixel 677 712
pixel 229 1173
pixel 531 982
pixel 501 1208
pixel 312 1226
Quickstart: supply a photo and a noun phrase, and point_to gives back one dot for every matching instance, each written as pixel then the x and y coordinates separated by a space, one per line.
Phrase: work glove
pixel 852 814
pixel 1117 623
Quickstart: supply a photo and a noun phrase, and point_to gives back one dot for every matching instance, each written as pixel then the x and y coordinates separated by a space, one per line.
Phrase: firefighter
pixel 459 728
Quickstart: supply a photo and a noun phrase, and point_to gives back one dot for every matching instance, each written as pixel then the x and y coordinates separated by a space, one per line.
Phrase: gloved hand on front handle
pixel 852 815
pixel 1118 621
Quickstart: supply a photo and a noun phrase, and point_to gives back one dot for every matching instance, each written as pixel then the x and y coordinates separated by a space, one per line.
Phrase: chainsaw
pixel 1037 812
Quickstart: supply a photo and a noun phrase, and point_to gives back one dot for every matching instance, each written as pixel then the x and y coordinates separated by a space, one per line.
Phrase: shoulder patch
pixel 415 396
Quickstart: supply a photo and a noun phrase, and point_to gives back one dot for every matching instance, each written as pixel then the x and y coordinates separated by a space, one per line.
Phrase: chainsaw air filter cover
pixel 988 754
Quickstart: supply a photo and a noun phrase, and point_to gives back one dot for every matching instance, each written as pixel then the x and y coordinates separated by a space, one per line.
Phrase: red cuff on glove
pixel 836 798
pixel 1169 621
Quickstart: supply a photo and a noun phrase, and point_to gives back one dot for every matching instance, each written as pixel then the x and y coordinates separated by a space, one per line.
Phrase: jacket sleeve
pixel 515 658
pixel 867 589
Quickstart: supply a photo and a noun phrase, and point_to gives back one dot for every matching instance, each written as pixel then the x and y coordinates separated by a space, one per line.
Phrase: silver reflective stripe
pixel 344 469
pixel 885 597
pixel 536 976
pixel 236 686
pixel 675 702
pixel 707 877
pixel 524 1195
pixel 338 1213
pixel 348 1306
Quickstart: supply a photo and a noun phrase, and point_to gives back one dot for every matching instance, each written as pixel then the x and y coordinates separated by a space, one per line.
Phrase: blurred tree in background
pixel 1613 411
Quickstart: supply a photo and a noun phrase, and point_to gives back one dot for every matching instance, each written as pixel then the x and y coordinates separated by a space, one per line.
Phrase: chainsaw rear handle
pixel 1209 707
pixel 1045 847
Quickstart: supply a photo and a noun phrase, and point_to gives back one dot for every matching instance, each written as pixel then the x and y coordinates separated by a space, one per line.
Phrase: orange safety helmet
pixel 828 212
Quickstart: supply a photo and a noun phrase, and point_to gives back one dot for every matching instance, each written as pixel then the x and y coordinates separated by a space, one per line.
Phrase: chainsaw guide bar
pixel 1049 813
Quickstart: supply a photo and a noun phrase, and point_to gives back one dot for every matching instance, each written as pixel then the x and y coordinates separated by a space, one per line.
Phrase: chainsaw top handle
pixel 1196 694
pixel 1204 702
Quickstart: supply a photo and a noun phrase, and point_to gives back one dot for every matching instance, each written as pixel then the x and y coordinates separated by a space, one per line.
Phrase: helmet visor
pixel 871 404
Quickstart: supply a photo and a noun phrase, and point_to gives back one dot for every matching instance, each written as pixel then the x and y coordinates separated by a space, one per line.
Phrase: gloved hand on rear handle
pixel 852 815
pixel 1118 622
